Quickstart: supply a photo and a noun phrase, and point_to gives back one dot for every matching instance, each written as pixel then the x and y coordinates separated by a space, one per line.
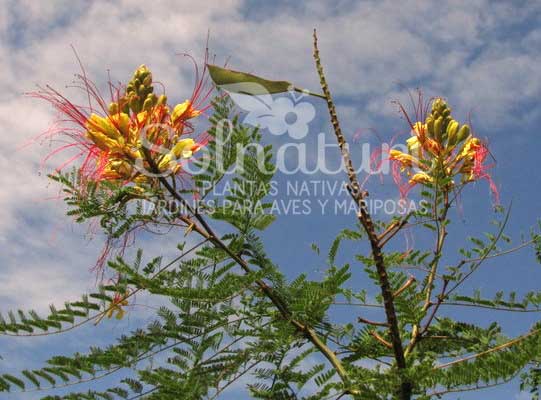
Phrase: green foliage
pixel 227 311
pixel 118 208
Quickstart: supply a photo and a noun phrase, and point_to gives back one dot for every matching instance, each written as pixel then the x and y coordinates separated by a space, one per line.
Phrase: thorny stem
pixel 365 219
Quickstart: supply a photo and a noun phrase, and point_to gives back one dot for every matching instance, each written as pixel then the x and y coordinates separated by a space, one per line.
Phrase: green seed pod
pixel 463 133
pixel 445 126
pixel 437 106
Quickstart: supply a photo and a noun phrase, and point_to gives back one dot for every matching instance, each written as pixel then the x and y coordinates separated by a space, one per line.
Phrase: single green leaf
pixel 222 76
pixel 235 81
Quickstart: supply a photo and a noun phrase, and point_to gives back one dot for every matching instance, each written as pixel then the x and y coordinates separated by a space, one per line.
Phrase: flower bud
pixel 162 100
pixel 148 81
pixel 149 102
pixel 113 108
pixel 438 128
pixel 463 133
pixel 430 126
pixel 452 130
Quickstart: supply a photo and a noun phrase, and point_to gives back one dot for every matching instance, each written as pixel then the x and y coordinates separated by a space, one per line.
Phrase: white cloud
pixel 367 48
pixel 459 49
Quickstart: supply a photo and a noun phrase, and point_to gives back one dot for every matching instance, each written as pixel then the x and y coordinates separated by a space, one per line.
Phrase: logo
pixel 284 114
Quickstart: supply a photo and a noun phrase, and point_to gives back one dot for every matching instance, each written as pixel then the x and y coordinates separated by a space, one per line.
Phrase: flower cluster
pixel 440 150
pixel 119 301
pixel 134 137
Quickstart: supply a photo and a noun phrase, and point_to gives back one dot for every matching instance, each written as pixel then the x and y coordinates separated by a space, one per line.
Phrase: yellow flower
pixel 421 177
pixel 119 300
pixel 184 111
pixel 405 159
pixel 117 169
pixel 469 149
pixel 419 130
pixel 122 123
pixel 104 133
pixel 414 146
pixel 133 133
pixel 184 148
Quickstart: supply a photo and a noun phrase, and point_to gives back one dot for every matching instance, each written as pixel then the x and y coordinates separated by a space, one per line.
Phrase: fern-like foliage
pixel 227 311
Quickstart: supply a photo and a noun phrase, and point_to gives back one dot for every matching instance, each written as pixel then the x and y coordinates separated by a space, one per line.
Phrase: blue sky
pixel 482 56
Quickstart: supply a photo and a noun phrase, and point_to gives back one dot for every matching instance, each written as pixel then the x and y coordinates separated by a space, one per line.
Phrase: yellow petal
pixel 185 111
pixel 103 142
pixel 183 148
pixel 122 122
pixel 165 161
pixel 469 148
pixel 421 177
pixel 110 311
pixel 405 159
pixel 413 145
pixel 102 125
pixel 120 313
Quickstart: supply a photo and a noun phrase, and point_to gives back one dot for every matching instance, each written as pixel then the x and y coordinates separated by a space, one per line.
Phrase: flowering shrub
pixel 226 310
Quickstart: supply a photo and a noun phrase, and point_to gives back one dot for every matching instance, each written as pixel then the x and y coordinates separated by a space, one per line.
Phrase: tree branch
pixel 365 219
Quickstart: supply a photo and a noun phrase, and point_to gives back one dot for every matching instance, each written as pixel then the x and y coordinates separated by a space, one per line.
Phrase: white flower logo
pixel 285 114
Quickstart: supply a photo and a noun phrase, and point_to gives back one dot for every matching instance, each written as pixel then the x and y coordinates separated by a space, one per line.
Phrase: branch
pixel 392 230
pixel 440 221
pixel 492 350
pixel 359 196
pixel 474 388
pixel 495 308
pixel 368 322
pixel 207 232
pixel 384 342
pixel 101 314
pixel 406 285
pixel 483 257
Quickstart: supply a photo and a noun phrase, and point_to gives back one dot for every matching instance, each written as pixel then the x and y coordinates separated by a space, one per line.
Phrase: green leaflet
pixel 235 81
